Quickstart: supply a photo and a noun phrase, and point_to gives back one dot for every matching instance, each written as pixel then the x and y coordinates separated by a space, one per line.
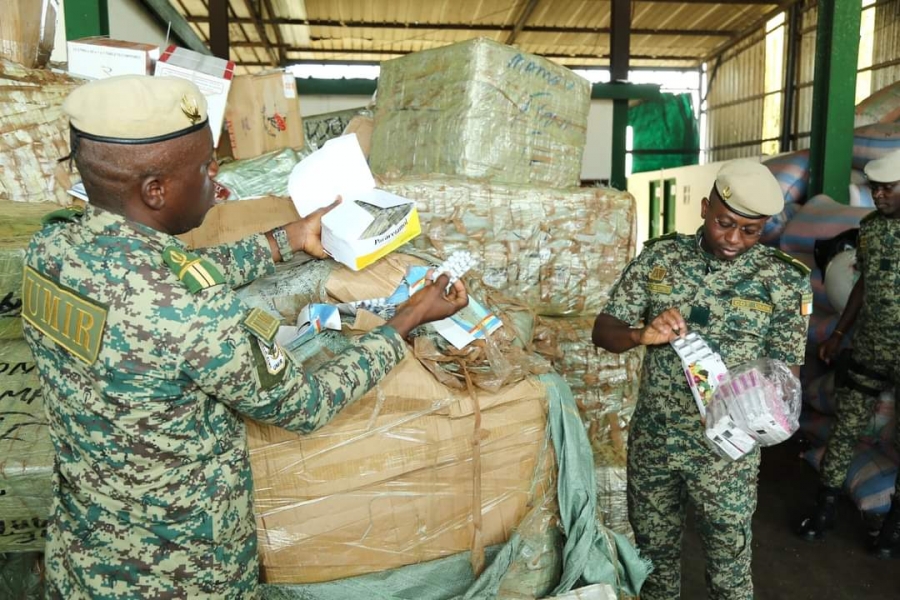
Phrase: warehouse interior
pixel 547 141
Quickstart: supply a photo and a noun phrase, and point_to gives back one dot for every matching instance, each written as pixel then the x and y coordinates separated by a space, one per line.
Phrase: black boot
pixel 887 544
pixel 813 527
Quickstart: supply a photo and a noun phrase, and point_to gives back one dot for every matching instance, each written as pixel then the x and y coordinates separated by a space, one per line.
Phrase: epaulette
pixel 791 261
pixel 666 236
pixel 869 217
pixel 194 272
pixel 64 214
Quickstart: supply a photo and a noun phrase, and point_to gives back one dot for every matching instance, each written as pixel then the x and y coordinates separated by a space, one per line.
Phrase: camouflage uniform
pixel 876 343
pixel 152 485
pixel 745 309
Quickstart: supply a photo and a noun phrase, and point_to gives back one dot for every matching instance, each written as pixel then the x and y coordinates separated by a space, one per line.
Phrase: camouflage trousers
pixel 858 383
pixel 669 466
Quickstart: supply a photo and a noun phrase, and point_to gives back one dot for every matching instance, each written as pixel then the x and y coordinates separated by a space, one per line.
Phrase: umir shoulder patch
pixel 194 272
pixel 73 321
pixel 784 256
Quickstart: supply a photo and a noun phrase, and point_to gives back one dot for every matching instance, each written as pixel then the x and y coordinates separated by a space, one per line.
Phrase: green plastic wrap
pixel 26 453
pixel 558 252
pixel 265 175
pixel 481 110
pixel 666 133
pixel 21 576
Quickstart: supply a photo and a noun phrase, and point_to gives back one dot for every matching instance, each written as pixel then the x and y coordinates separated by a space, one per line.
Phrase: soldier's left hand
pixel 305 235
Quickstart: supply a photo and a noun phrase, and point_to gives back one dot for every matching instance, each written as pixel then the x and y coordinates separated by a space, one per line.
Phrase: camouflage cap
pixel 885 169
pixel 136 109
pixel 749 189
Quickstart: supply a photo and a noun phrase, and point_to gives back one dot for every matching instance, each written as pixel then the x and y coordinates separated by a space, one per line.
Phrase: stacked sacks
pixel 792 172
pixel 488 141
pixel 25 448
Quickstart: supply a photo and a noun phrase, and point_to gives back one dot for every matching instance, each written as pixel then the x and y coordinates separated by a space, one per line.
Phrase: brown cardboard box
pixel 27 29
pixel 362 126
pixel 263 114
pixel 233 221
pixel 389 482
pixel 101 57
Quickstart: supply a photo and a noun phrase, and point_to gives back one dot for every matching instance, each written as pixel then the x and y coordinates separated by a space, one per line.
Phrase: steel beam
pixel 751 29
pixel 470 27
pixel 261 32
pixel 527 10
pixel 218 29
pixel 167 13
pixel 279 37
pixel 618 68
pixel 792 34
pixel 834 98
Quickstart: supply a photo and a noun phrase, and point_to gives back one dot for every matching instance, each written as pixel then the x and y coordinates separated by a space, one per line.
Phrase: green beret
pixel 885 169
pixel 136 109
pixel 749 189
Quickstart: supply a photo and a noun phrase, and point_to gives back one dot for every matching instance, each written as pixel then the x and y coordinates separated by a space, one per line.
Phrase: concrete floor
pixel 787 568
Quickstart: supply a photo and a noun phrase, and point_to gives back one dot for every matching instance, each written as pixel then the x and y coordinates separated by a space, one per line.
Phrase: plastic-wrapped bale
pixel 870 478
pixel 18 222
pixel 820 218
pixel 556 251
pixel 34 134
pixel 881 107
pixel 605 385
pixel 612 499
pixel 874 141
pixel 792 172
pixel 27 453
pixel 396 478
pixel 480 110
pixel 775 225
pixel 265 175
pixel 318 129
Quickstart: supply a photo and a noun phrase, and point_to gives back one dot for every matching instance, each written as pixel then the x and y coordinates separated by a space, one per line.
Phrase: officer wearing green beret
pixel 874 307
pixel 148 360
pixel 747 301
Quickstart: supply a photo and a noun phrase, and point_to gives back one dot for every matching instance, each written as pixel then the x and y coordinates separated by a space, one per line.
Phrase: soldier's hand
pixel 667 326
pixel 429 304
pixel 305 235
pixel 829 348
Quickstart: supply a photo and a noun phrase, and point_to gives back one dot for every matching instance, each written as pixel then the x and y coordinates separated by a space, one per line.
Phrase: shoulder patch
pixel 868 217
pixel 668 236
pixel 784 256
pixel 194 272
pixel 262 325
pixel 64 214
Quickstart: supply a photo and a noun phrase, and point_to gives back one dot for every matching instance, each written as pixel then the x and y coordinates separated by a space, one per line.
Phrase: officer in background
pixel 874 307
pixel 747 301
pixel 148 360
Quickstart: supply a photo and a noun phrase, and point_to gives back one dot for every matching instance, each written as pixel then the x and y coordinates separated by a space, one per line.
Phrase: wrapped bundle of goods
pixel 34 135
pixel 557 252
pixel 874 141
pixel 480 110
pixel 27 463
pixel 870 478
pixel 881 107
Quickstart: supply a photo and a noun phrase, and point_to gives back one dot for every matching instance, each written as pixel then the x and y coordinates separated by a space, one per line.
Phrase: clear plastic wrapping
pixel 26 453
pixel 760 399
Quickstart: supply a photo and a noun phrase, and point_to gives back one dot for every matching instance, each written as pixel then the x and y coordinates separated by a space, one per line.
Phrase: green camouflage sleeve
pixel 862 246
pixel 629 298
pixel 241 262
pixel 234 366
pixel 788 327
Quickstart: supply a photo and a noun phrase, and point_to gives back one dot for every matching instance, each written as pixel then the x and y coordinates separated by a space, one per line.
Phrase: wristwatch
pixel 284 246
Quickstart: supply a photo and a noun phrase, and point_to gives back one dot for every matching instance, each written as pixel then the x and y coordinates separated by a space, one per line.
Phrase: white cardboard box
pixel 100 57
pixel 212 75
pixel 340 169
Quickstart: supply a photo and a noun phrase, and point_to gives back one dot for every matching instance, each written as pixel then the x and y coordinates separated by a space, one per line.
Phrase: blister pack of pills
pixel 703 368
pixel 457 265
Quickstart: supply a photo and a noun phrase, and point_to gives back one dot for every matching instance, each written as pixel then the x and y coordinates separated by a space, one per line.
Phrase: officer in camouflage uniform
pixel 874 306
pixel 148 360
pixel 747 301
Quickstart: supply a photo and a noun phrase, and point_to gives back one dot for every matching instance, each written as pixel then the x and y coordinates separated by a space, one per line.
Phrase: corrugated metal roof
pixel 665 33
